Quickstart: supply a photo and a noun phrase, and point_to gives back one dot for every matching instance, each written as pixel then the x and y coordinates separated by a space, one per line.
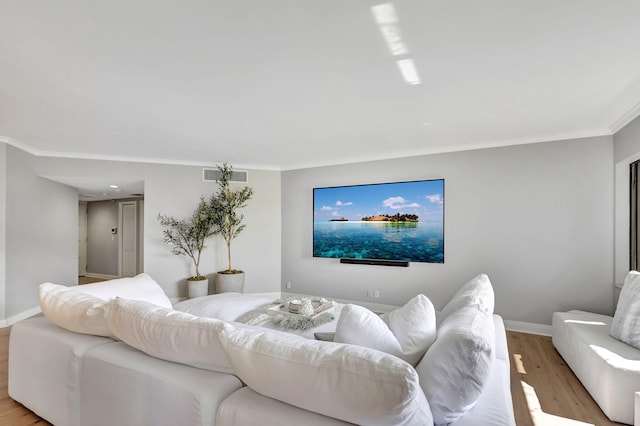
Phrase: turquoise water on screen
pixel 415 242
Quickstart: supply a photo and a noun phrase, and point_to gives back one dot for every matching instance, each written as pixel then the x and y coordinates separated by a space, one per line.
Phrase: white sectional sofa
pixel 604 351
pixel 608 368
pixel 154 372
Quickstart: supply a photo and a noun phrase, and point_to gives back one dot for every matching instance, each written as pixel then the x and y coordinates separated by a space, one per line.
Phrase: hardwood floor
pixel 545 392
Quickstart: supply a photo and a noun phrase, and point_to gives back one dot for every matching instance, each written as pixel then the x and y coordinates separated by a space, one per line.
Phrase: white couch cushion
pixel 477 292
pixel 626 320
pixel 348 382
pixel 73 310
pixel 406 332
pixel 608 368
pixel 457 366
pixel 246 407
pixel 227 306
pixel 122 386
pixel 141 287
pixel 168 334
pixel 45 369
pixel 79 308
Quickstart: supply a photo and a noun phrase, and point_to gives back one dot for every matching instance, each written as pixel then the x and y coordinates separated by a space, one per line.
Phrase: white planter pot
pixel 229 282
pixel 197 288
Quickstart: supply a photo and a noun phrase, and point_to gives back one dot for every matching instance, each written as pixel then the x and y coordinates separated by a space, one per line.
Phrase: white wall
pixel 175 191
pixel 538 219
pixel 41 233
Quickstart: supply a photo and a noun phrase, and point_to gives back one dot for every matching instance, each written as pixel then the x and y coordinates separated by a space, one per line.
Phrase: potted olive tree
pixel 187 237
pixel 226 203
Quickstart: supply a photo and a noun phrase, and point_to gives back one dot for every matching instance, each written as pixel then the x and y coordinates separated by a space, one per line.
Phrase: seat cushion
pixel 45 368
pixel 246 407
pixel 123 386
pixel 608 368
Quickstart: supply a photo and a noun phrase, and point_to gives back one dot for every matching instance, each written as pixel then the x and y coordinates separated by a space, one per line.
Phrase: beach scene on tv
pixel 390 221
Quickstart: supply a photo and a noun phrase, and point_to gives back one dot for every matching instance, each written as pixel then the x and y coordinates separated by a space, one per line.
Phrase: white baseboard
pixel 528 327
pixel 105 276
pixel 19 317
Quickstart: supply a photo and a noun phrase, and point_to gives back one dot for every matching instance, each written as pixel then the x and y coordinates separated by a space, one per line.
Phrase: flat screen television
pixel 399 221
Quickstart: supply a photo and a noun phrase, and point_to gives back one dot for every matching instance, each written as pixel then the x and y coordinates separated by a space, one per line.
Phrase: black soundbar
pixel 382 262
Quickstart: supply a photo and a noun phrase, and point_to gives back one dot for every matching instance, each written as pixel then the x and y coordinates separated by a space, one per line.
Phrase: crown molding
pixel 598 132
pixel 626 118
pixel 145 160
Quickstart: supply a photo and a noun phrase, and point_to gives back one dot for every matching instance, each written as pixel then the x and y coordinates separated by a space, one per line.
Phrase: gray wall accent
pixel 626 151
pixel 102 245
pixel 175 190
pixel 41 233
pixel 536 218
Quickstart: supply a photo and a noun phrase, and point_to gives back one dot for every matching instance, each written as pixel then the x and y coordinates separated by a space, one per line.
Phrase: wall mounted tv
pixel 388 222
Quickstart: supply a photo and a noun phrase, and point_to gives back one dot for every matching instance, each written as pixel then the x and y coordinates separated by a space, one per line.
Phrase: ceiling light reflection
pixel 387 19
pixel 409 71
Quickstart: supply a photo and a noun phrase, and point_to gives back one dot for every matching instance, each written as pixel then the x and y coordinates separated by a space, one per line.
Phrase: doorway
pixel 113 246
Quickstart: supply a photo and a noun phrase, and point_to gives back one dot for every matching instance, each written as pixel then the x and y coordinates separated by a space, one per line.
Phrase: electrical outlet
pixel 288 285
pixel 376 294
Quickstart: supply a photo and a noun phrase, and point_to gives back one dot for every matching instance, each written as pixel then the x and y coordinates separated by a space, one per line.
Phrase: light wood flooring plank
pixel 545 391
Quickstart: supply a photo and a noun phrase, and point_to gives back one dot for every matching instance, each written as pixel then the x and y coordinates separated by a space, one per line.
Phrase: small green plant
pixel 226 203
pixel 187 237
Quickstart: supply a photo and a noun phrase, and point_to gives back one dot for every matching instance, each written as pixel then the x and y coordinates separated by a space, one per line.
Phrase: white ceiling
pixel 285 84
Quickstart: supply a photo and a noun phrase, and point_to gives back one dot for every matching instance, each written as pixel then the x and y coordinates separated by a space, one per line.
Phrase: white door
pixel 127 247
pixel 82 239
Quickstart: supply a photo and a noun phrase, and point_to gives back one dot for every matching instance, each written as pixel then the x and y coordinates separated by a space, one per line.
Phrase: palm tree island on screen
pixel 390 221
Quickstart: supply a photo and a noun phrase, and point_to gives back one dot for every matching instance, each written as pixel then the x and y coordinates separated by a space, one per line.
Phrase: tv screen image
pixel 388 221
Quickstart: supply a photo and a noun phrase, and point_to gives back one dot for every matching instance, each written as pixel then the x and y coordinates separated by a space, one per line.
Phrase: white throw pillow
pixel 477 292
pixel 347 382
pixel 73 310
pixel 141 287
pixel 626 320
pixel 456 367
pixel 406 332
pixel 167 334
